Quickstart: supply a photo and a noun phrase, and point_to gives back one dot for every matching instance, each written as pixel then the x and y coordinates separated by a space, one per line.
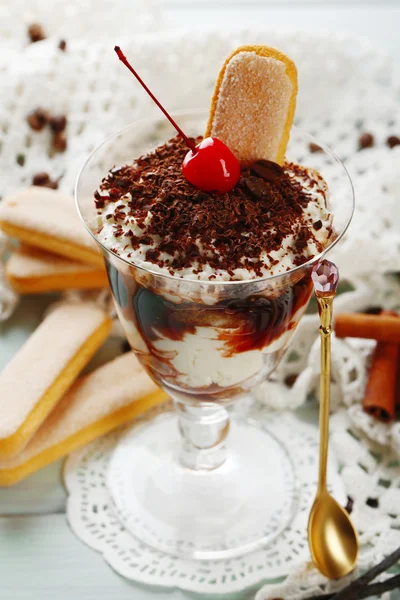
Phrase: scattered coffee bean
pixel 59 141
pixel 40 117
pixel 393 141
pixel 58 123
pixel 62 45
pixel 37 119
pixel 366 140
pixel 43 180
pixel 36 33
pixel 314 148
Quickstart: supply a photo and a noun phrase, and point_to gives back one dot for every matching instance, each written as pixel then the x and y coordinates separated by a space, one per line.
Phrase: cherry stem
pixel 123 59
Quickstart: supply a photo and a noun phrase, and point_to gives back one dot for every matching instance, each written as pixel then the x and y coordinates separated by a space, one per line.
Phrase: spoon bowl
pixel 333 539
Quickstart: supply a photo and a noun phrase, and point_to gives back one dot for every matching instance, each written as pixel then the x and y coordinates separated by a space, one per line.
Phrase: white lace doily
pixel 350 364
pixel 92 518
pixel 346 87
pixel 85 19
pixel 370 476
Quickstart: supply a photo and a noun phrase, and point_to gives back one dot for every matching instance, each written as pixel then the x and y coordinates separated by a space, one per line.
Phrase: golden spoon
pixel 332 539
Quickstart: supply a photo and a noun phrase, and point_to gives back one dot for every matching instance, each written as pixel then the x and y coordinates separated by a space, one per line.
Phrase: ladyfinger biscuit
pixel 94 405
pixel 31 270
pixel 36 378
pixel 48 219
pixel 253 105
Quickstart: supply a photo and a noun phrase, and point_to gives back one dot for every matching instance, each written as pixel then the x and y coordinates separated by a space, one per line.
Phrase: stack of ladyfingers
pixel 47 408
pixel 56 252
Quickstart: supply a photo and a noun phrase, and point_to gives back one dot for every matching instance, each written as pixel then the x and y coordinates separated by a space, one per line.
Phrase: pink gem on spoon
pixel 325 276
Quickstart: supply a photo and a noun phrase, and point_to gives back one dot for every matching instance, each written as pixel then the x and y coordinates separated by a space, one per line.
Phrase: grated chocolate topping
pixel 226 231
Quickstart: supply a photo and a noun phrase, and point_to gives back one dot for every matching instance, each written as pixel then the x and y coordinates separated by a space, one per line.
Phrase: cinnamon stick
pixel 383 328
pixel 380 395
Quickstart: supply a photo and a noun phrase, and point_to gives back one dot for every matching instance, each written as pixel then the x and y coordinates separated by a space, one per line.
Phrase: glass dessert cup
pixel 196 483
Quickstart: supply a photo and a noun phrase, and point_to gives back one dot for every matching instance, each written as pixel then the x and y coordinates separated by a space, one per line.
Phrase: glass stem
pixel 204 429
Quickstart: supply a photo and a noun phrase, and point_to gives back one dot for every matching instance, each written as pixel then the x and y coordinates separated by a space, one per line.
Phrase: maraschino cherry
pixel 209 165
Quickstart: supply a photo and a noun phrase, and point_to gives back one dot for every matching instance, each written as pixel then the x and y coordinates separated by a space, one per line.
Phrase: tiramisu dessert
pixel 217 230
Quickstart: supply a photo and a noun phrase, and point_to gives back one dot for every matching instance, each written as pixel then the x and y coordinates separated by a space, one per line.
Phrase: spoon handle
pixel 325 302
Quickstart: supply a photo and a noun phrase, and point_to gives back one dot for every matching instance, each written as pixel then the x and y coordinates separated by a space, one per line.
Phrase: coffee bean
pixel 37 119
pixel 36 33
pixel 393 141
pixel 59 141
pixel 41 178
pixel 314 148
pixel 267 170
pixel 58 123
pixel 366 140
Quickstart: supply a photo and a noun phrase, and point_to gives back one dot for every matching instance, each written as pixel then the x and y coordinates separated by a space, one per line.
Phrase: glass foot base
pixel 229 511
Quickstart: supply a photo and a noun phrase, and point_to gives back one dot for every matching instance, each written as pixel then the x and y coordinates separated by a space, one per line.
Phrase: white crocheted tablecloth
pixel 346 88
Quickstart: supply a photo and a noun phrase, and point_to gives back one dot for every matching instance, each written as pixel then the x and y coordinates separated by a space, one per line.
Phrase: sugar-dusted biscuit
pixel 39 374
pixel 31 271
pixel 253 105
pixel 48 219
pixel 96 403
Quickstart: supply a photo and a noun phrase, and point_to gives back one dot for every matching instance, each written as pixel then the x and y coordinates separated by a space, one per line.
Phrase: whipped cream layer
pixel 208 348
pixel 200 361
pixel 137 206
